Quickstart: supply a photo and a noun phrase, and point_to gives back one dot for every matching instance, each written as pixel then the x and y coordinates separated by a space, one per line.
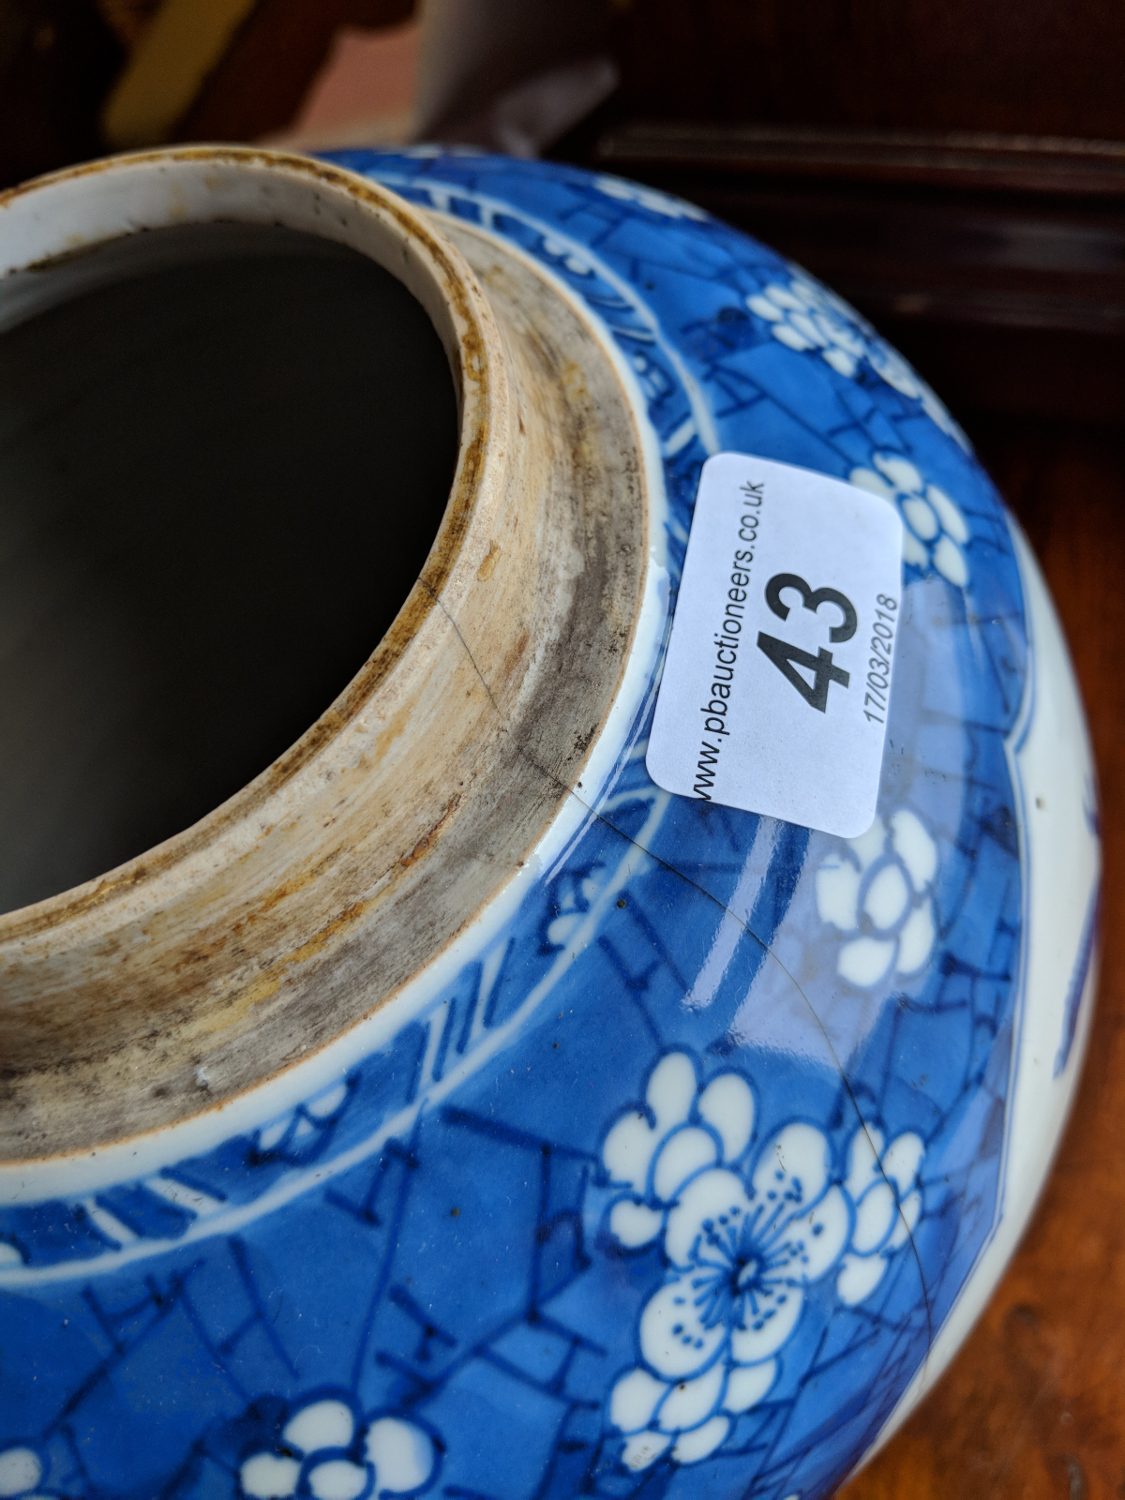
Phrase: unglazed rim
pixel 434 272
pixel 187 977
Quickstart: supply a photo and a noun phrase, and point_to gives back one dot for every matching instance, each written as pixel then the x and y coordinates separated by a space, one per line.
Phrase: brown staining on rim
pixel 488 566
pixel 313 897
pixel 269 982
pixel 473 379
pixel 428 838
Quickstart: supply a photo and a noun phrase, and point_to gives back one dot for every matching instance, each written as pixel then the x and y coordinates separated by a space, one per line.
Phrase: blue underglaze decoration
pixel 668 1191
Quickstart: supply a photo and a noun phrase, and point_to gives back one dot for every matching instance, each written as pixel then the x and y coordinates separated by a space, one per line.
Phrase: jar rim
pixel 55 222
pixel 315 907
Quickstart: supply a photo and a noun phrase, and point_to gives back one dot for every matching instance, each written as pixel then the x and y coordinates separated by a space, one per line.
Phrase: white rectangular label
pixel 775 688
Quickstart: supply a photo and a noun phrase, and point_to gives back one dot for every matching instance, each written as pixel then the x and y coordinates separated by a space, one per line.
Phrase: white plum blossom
pixel 809 318
pixel 878 891
pixel 742 1237
pixel 323 1447
pixel 936 531
pixel 882 1185
pixel 805 316
pixel 646 197
pixel 21 1470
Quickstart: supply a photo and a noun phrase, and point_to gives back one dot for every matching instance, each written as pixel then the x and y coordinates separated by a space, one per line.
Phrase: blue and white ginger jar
pixel 679 1164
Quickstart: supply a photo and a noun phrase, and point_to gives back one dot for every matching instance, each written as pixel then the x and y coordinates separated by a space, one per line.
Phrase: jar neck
pixel 326 889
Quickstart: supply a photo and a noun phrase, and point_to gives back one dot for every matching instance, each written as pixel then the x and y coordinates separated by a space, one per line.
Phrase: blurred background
pixel 954 169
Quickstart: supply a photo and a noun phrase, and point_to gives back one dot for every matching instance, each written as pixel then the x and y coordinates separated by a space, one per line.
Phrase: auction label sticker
pixel 778 674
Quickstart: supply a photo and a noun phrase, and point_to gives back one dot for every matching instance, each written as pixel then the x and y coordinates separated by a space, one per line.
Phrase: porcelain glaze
pixel 685 1165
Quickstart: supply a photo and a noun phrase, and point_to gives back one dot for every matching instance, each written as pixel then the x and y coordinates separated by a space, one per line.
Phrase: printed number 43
pixel 787 658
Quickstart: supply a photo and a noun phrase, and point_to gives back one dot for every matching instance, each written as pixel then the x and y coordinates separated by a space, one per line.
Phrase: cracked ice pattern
pixel 462 1269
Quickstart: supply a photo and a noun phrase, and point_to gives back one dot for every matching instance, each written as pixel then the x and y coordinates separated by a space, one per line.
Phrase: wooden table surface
pixel 1034 1404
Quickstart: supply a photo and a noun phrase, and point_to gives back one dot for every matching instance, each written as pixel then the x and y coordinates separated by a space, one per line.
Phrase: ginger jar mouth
pixel 240 944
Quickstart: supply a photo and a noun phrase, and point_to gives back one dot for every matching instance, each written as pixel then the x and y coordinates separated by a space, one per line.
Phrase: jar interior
pixel 225 452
